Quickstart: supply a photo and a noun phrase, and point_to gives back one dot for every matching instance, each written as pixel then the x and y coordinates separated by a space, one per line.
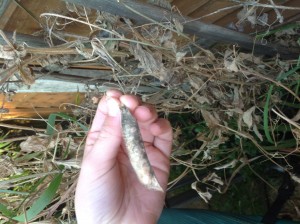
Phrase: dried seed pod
pixel 136 150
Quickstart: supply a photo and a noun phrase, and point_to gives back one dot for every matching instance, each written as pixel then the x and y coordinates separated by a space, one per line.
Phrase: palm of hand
pixel 112 192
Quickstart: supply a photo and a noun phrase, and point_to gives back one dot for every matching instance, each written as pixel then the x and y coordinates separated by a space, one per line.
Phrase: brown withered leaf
pixel 152 63
pixel 34 144
pixel 230 62
pixel 27 75
pixel 248 117
pixel 296 117
pixel 210 120
pixel 6 167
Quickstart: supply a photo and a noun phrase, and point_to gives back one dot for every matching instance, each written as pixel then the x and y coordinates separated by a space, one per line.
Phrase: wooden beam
pixel 188 6
pixel 142 13
pixel 7 8
pixel 37 112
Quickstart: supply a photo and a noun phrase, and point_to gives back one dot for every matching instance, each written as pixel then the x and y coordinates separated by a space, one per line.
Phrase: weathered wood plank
pixel 31 113
pixel 188 6
pixel 38 104
pixel 126 8
pixel 7 8
pixel 41 100
pixel 210 7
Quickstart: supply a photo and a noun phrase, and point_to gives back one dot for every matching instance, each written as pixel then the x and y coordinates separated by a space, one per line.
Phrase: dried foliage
pixel 234 97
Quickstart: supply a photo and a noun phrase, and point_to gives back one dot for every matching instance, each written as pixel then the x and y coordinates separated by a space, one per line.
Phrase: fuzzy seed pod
pixel 136 150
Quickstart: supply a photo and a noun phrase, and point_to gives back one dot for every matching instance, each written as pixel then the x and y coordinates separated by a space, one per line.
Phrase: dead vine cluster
pixel 225 86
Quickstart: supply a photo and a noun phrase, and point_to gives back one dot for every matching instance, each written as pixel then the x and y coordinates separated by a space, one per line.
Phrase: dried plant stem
pixel 213 13
pixel 80 21
pixel 273 81
pixel 21 127
pixel 278 15
pixel 169 28
pixel 175 181
pixel 15 139
pixel 10 72
pixel 236 171
pixel 248 136
pixel 31 177
pixel 257 4
pixel 6 40
pixel 260 177
pixel 120 38
pixel 286 119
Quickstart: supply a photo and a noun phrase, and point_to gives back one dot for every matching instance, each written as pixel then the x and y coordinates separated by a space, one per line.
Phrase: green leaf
pixel 77 99
pixel 42 202
pixel 288 73
pixel 264 34
pixel 5 211
pixel 28 157
pixel 282 145
pixel 266 115
pixel 51 122
pixel 4 144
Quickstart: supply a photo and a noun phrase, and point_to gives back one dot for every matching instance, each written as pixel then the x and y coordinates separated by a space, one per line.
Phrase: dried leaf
pixel 196 82
pixel 229 62
pixel 247 117
pixel 263 19
pixel 296 117
pixel 249 57
pixel 151 33
pixel 166 36
pixel 34 144
pixel 212 182
pixel 231 65
pixel 180 56
pixel 213 177
pixel 215 143
pixel 178 25
pixel 255 129
pixel 6 167
pixel 202 99
pixel 152 63
pixel 27 75
pixel 146 59
pixel 101 51
pixel 205 195
pixel 210 120
pixel 296 178
pixel 229 165
pixel 247 14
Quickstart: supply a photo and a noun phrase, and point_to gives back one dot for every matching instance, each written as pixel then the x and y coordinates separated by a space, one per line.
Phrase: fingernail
pixel 112 106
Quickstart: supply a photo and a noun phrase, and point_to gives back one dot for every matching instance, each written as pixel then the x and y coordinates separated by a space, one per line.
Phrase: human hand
pixel 108 190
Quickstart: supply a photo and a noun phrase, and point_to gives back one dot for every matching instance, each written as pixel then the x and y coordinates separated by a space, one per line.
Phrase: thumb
pixel 108 142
